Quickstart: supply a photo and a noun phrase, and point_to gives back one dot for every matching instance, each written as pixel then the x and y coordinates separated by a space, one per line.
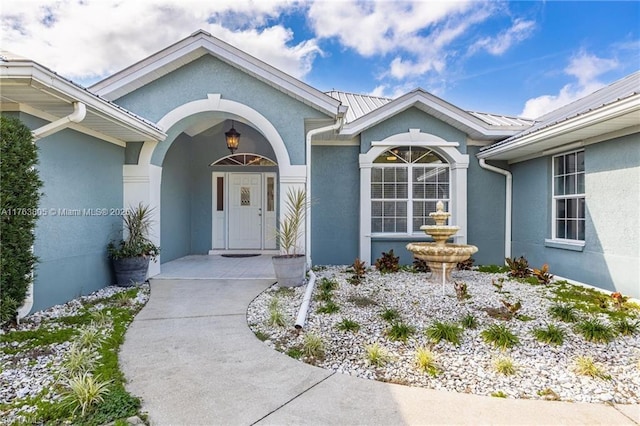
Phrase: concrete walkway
pixel 192 358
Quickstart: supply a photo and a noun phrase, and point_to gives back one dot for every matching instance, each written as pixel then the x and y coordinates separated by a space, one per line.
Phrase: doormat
pixel 241 255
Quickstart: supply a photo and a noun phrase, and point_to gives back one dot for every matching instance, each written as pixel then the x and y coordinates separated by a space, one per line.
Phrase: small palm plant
pixel 291 226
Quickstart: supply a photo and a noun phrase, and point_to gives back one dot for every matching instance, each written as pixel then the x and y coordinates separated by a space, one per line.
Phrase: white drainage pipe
pixel 304 308
pixel 508 202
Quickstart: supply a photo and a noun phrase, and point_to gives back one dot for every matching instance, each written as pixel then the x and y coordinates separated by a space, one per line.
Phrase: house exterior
pixel 373 167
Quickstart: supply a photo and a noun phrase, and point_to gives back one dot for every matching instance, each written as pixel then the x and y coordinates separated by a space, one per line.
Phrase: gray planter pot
pixel 290 270
pixel 130 271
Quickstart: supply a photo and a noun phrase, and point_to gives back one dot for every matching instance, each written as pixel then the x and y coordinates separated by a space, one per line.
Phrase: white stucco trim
pixel 458 163
pixel 214 102
pixel 142 182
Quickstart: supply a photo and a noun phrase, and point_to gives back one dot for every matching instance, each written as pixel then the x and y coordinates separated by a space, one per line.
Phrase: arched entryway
pixel 171 176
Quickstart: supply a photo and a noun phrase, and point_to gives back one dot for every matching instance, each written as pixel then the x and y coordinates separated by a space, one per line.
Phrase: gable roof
pixel 613 110
pixel 36 90
pixel 202 43
pixel 368 111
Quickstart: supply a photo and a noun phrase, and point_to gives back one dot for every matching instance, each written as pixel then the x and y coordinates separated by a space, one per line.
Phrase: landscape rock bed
pixel 543 371
pixel 30 373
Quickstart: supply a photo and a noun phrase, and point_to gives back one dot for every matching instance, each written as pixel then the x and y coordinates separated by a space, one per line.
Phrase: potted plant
pixel 130 257
pixel 290 266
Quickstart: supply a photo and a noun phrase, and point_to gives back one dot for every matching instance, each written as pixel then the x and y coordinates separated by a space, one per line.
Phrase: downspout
pixel 304 307
pixel 337 125
pixel 508 202
pixel 78 114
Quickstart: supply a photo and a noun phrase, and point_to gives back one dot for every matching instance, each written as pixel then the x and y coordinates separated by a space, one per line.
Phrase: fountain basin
pixel 442 259
pixel 450 253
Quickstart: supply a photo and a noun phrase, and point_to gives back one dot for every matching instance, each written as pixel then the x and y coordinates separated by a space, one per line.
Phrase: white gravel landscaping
pixel 543 371
pixel 32 373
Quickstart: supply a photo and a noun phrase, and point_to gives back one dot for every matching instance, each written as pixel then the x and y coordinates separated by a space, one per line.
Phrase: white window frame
pixel 554 198
pixel 458 165
pixel 409 200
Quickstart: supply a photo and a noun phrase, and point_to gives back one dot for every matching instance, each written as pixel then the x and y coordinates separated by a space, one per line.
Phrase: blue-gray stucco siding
pixel 610 216
pixel 335 194
pixel 79 172
pixel 485 211
pixel 210 75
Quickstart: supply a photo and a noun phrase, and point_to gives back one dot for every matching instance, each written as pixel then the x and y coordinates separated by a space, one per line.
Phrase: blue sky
pixel 514 58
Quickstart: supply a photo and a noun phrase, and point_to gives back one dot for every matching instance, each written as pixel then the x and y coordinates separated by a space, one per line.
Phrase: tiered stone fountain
pixel 439 255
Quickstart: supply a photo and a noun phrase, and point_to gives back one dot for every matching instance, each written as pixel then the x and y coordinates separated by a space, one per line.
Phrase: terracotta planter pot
pixel 130 271
pixel 290 270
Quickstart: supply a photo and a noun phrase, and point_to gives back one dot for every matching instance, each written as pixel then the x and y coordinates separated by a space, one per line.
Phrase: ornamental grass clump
pixel 504 366
pixel 79 360
pixel 594 330
pixel 499 336
pixel 585 366
pixel 313 346
pixel 448 331
pixel 348 325
pixel 565 313
pixel 400 331
pixel 469 321
pixel 551 334
pixel 83 391
pixel 376 355
pixel 426 361
pixel 390 315
pixel 276 316
pixel 625 327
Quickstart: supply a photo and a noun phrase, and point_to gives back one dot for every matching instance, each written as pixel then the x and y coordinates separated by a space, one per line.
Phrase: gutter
pixel 78 114
pixel 508 203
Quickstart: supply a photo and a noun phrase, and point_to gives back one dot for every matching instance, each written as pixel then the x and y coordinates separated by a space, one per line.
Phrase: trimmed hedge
pixel 19 197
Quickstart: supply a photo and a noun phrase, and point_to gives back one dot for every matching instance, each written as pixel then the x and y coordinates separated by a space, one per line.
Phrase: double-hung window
pixel 568 204
pixel 406 184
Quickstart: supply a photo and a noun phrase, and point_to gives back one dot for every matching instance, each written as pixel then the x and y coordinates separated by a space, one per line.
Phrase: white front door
pixel 245 211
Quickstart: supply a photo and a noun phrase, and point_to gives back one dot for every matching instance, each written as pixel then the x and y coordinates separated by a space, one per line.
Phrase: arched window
pixel 406 184
pixel 244 160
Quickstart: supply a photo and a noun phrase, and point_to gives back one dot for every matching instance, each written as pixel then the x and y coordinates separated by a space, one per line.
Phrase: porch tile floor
pixel 197 267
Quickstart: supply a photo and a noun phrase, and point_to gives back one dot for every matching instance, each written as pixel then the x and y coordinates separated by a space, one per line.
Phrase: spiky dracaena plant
pixel 291 226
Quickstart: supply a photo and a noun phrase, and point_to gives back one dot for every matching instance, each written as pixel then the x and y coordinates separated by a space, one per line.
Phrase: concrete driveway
pixel 191 357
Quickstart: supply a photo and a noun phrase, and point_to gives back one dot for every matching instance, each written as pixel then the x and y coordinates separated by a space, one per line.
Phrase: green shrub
pixel 19 197
pixel 444 331
pixel 500 336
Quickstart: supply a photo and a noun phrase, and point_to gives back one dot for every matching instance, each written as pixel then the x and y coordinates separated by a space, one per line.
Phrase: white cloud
pixel 519 31
pixel 585 68
pixel 91 39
